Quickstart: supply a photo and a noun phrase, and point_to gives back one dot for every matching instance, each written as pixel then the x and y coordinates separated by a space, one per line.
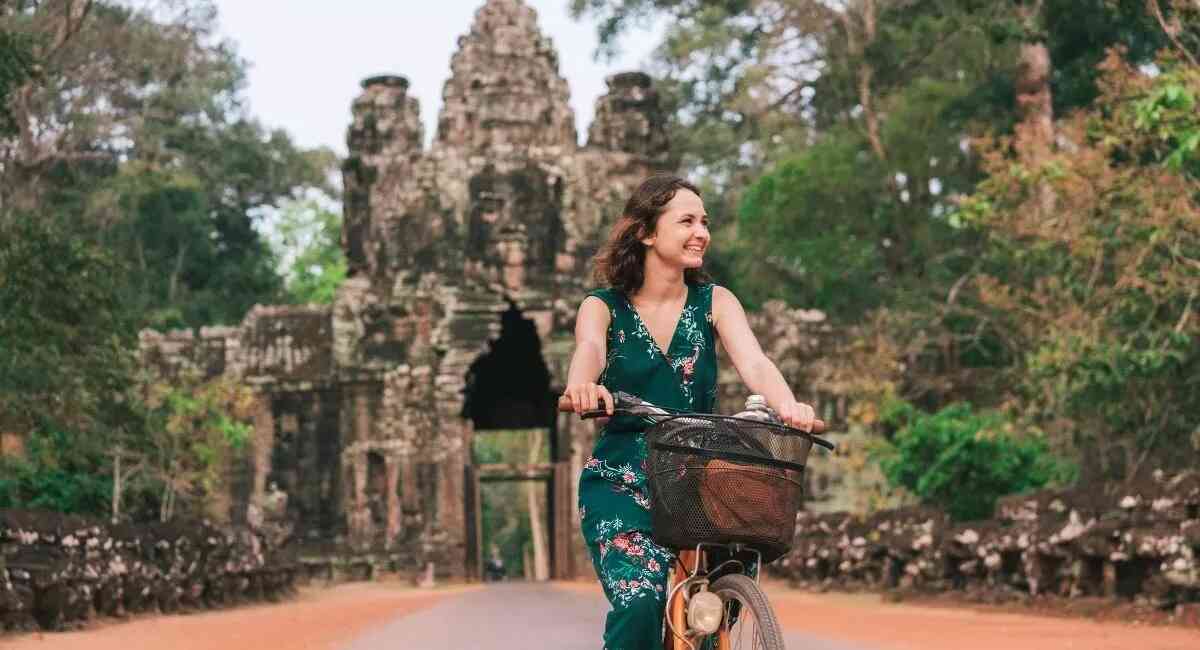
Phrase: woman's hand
pixel 589 397
pixel 797 414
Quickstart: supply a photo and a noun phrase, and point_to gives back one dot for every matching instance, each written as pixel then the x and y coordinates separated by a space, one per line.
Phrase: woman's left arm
pixel 757 371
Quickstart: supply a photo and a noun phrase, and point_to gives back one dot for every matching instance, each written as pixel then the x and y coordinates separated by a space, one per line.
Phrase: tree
pixel 16 66
pixel 1059 287
pixel 133 131
pixel 130 181
pixel 196 426
pixel 66 364
pixel 512 519
pixel 1098 306
pixel 306 238
pixel 887 92
pixel 66 337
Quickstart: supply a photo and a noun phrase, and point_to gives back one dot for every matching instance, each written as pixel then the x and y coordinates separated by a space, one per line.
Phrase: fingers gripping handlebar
pixel 626 404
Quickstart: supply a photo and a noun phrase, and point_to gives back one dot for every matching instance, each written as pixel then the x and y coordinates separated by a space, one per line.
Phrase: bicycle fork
pixel 686 621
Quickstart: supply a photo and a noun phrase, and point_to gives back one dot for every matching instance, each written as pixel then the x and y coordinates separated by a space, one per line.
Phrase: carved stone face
pixel 515 229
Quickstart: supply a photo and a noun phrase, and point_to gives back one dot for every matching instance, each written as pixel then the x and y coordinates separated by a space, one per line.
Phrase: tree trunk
pixel 541 558
pixel 116 495
pixel 866 74
pixel 1034 140
pixel 859 39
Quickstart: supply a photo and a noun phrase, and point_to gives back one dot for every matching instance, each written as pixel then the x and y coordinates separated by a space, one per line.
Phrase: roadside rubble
pixel 1138 543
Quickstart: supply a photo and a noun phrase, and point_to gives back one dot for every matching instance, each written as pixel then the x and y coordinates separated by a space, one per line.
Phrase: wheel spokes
pixel 745 633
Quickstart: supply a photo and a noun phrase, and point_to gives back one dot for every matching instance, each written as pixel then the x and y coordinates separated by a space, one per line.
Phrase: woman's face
pixel 681 233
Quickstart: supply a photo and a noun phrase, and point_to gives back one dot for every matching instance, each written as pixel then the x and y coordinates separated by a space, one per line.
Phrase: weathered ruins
pixel 58 572
pixel 1137 542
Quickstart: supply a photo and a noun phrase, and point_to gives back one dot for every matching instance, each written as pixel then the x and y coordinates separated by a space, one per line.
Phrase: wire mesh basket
pixel 720 479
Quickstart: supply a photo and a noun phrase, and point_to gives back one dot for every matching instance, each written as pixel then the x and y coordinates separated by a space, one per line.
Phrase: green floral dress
pixel 614 498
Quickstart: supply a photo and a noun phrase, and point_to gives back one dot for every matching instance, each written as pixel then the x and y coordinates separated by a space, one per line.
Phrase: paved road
pixel 524 615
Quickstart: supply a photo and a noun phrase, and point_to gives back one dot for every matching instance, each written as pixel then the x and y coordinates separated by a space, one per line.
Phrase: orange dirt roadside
pixel 865 619
pixel 318 619
pixel 329 618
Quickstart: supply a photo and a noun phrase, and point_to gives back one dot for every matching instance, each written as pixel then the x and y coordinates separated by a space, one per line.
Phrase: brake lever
pixel 623 404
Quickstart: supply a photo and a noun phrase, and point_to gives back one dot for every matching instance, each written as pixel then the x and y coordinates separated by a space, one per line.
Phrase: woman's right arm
pixel 591 348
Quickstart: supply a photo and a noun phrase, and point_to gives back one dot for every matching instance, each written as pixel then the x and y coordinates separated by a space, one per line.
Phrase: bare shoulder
pixel 593 312
pixel 722 295
pixel 724 303
pixel 594 304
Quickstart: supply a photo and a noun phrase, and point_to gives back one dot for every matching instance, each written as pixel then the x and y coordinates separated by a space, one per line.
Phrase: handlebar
pixel 628 405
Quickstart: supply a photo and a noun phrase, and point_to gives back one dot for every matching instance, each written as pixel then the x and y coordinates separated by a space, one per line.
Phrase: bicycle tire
pixel 753 603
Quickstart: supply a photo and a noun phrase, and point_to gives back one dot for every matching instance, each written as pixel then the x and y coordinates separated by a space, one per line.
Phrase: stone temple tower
pixel 467 261
pixel 487 235
pixel 459 256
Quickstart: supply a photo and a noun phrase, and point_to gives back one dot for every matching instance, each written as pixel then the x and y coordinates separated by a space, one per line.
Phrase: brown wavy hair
pixel 621 262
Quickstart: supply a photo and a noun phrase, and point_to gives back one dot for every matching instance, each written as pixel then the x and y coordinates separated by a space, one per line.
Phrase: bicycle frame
pixel 675 617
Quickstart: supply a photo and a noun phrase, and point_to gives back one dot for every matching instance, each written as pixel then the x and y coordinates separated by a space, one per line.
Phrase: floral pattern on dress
pixel 689 330
pixel 640 332
pixel 686 367
pixel 636 568
pixel 624 475
pixel 624 479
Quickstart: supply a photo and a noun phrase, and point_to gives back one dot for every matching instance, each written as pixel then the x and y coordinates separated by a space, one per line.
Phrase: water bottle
pixel 757 409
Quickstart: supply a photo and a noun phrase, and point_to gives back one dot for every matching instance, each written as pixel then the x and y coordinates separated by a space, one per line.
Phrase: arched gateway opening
pixel 516 490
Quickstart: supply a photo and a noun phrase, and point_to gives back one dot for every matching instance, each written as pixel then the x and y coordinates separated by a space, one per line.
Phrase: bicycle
pixel 725 492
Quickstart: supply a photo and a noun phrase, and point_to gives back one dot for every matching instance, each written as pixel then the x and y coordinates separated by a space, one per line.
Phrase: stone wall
pixel 59 572
pixel 1139 542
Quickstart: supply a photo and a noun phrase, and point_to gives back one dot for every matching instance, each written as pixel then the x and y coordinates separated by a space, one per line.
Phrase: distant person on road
pixel 652 332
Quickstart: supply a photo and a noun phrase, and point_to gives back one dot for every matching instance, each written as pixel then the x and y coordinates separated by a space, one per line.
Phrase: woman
pixel 652 333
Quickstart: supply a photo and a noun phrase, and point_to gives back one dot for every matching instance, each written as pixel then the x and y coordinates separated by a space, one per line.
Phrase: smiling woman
pixel 652 332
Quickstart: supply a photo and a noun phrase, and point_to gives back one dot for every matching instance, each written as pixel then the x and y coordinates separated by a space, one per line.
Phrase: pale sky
pixel 307 57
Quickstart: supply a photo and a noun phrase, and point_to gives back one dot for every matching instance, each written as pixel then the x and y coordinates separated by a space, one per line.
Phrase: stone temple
pixel 467 261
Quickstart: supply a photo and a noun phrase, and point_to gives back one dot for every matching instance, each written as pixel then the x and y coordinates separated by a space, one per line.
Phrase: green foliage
pixel 852 231
pixel 16 66
pixel 190 225
pixel 130 187
pixel 55 475
pixel 156 158
pixel 1099 303
pixel 504 507
pixel 794 224
pixel 69 380
pixel 195 427
pixel 962 460
pixel 1080 33
pixel 307 239
pixel 1167 113
pixel 66 334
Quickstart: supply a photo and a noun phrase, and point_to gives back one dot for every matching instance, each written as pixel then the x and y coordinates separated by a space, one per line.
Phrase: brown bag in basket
pixel 747 499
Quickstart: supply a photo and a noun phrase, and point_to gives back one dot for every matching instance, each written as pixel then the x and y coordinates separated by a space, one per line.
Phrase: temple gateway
pixel 467 262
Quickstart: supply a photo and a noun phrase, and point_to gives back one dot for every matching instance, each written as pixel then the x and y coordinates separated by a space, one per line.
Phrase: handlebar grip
pixel 565 406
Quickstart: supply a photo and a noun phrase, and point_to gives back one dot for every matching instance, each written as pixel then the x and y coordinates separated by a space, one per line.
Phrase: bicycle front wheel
pixel 749 622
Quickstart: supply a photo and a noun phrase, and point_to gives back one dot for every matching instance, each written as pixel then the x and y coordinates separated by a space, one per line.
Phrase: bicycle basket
pixel 719 479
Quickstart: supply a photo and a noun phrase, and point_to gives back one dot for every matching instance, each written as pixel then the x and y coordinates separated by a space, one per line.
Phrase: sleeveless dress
pixel 614 498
